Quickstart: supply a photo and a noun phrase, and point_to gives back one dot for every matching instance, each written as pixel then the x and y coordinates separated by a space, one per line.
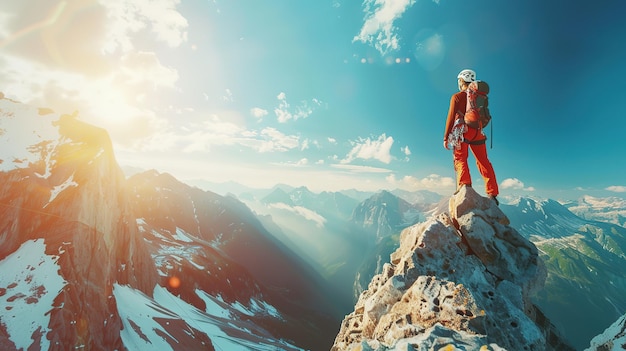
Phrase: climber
pixel 461 137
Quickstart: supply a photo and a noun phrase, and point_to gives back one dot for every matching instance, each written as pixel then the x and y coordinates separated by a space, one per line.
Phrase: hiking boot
pixel 494 198
pixel 460 186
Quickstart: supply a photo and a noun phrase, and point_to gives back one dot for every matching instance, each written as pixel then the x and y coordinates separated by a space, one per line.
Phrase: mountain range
pixel 167 265
pixel 610 210
pixel 586 261
pixel 158 263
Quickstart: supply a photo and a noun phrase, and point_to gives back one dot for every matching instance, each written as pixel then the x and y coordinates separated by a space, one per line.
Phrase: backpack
pixel 477 111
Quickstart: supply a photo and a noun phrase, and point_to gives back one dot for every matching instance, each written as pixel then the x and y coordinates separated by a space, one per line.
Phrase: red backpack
pixel 477 111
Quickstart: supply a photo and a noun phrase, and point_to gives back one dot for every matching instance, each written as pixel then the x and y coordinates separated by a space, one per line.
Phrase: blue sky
pixel 332 94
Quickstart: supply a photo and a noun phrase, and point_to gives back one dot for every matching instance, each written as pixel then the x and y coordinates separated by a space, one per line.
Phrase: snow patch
pixel 141 331
pixel 59 188
pixel 30 140
pixel 181 235
pixel 217 307
pixel 29 283
pixel 610 209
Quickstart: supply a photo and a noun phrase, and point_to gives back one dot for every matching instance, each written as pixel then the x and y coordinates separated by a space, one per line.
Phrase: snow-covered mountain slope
pixel 220 326
pixel 542 218
pixel 29 284
pixel 152 260
pixel 609 210
pixel 222 248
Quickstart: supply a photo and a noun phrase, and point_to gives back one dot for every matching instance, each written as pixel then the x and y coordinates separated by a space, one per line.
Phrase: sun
pixel 112 106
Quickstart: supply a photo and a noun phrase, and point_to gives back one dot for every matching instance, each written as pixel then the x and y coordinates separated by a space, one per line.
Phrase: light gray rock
pixel 457 281
pixel 613 338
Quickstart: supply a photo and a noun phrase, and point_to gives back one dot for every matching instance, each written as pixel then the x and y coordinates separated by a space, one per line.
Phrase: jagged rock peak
pixel 459 280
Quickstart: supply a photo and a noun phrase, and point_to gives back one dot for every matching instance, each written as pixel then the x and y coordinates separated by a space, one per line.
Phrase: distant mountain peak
pixel 302 189
pixel 278 195
pixel 385 213
pixel 608 209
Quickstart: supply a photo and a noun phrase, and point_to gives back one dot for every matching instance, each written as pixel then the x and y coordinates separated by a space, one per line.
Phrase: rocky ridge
pixel 460 280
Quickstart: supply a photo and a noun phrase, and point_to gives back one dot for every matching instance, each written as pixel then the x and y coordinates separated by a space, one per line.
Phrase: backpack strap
pixel 475 142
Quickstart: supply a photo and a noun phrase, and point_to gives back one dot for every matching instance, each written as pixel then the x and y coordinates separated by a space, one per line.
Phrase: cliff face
pixel 72 196
pixel 461 279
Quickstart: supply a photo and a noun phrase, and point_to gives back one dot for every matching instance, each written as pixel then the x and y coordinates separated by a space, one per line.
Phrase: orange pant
pixel 482 162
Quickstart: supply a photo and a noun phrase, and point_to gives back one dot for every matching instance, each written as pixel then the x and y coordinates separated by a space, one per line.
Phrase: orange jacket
pixel 458 104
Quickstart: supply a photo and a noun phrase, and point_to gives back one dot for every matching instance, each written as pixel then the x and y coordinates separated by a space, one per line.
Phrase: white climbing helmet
pixel 467 75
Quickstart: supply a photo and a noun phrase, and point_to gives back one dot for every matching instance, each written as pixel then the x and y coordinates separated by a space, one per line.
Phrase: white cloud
pixel 435 181
pixel 215 131
pixel 308 214
pixel 332 140
pixel 368 149
pixel 228 96
pixel 305 144
pixel 258 112
pixel 431 182
pixel 360 169
pixel 143 69
pixel 4 26
pixel 284 112
pixel 516 184
pixel 378 29
pixel 406 151
pixel 275 140
pixel 616 188
pixel 125 18
pixel 293 164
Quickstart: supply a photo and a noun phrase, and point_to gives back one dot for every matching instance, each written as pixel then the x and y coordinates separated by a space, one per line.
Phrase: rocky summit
pixel 461 280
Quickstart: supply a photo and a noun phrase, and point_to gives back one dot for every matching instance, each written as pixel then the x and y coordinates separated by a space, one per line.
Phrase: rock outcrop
pixel 613 338
pixel 461 279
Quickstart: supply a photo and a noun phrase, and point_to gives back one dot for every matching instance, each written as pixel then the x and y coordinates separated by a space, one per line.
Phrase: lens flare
pixel 174 282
